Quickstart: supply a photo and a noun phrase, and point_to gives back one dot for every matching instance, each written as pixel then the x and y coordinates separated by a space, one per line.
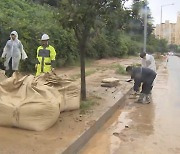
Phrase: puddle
pixel 150 129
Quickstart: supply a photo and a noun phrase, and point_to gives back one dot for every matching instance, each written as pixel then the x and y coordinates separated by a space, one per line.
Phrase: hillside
pixel 31 20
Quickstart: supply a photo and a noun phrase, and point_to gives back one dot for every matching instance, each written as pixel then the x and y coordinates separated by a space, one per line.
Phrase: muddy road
pixel 145 128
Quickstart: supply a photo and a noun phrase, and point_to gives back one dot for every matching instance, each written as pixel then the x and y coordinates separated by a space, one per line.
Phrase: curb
pixel 85 136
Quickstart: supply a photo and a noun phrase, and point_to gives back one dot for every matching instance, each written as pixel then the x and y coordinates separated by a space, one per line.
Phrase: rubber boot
pixel 148 98
pixel 141 98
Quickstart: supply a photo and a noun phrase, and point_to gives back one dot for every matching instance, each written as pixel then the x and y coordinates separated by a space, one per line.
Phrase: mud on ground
pixel 71 124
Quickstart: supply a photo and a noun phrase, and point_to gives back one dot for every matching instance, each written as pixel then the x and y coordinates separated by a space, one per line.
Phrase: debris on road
pixel 110 82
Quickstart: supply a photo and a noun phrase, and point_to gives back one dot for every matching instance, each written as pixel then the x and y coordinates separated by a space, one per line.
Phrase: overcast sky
pixel 168 12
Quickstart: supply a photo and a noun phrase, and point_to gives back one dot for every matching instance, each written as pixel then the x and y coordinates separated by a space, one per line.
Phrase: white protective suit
pixel 148 62
pixel 13 49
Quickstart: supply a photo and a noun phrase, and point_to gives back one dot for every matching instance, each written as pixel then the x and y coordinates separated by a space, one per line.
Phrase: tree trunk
pixel 83 74
pixel 82 40
pixel 82 47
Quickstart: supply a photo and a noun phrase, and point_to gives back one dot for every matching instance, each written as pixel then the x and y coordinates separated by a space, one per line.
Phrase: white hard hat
pixel 44 37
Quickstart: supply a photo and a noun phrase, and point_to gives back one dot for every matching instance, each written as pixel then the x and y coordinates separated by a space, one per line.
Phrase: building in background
pixel 177 35
pixel 169 31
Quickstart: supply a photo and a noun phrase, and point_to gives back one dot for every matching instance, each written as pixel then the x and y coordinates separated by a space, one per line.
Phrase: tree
pixel 162 46
pixel 136 23
pixel 81 16
pixel 173 47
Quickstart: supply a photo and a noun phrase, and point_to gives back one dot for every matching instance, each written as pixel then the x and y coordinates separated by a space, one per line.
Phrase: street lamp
pixel 162 7
pixel 161 31
pixel 145 26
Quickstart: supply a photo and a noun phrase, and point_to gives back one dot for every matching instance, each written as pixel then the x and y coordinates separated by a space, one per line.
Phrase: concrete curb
pixel 85 136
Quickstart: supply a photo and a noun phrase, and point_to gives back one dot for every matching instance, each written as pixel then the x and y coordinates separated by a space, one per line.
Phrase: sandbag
pixel 70 97
pixel 2 75
pixel 67 88
pixel 110 82
pixel 27 105
pixel 35 103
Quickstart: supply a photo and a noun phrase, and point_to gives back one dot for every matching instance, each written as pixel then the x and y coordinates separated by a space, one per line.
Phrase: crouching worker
pixel 46 55
pixel 144 76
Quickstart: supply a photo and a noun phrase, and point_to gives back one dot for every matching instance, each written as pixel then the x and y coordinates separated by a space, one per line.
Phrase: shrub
pixel 121 70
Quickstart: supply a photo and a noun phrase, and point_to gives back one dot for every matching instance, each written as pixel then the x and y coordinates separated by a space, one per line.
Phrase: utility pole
pixel 145 26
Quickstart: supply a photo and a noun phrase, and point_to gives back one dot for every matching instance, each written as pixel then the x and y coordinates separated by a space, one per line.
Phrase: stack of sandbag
pixel 110 82
pixel 26 105
pixel 34 103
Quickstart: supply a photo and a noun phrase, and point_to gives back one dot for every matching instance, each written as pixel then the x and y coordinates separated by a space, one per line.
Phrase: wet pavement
pixel 145 128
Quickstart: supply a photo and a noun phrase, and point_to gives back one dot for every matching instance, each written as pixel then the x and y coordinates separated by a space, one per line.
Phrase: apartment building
pixel 169 31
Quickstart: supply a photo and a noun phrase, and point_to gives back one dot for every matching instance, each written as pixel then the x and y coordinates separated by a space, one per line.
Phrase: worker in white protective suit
pixel 13 52
pixel 148 61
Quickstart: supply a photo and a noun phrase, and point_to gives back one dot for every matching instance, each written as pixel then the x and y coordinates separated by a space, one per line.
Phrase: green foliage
pixel 121 70
pixel 98 47
pixel 31 21
pixel 134 47
pixel 136 65
pixel 178 49
pixel 88 72
pixel 111 30
pixel 174 48
pixel 86 105
pixel 50 2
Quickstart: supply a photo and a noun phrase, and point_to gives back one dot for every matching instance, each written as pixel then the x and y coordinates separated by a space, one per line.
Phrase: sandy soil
pixel 70 124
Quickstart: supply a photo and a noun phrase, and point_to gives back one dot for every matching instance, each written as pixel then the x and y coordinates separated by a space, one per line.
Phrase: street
pixel 145 128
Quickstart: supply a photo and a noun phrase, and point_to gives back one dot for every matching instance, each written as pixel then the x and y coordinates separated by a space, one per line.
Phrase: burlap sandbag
pixel 70 97
pixel 110 82
pixel 67 88
pixel 25 104
pixel 35 103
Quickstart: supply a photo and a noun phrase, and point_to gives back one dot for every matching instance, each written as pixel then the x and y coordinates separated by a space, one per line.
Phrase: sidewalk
pixel 141 128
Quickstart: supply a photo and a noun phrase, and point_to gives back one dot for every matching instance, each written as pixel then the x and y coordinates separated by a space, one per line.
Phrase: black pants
pixel 148 85
pixel 9 72
pixel 146 88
